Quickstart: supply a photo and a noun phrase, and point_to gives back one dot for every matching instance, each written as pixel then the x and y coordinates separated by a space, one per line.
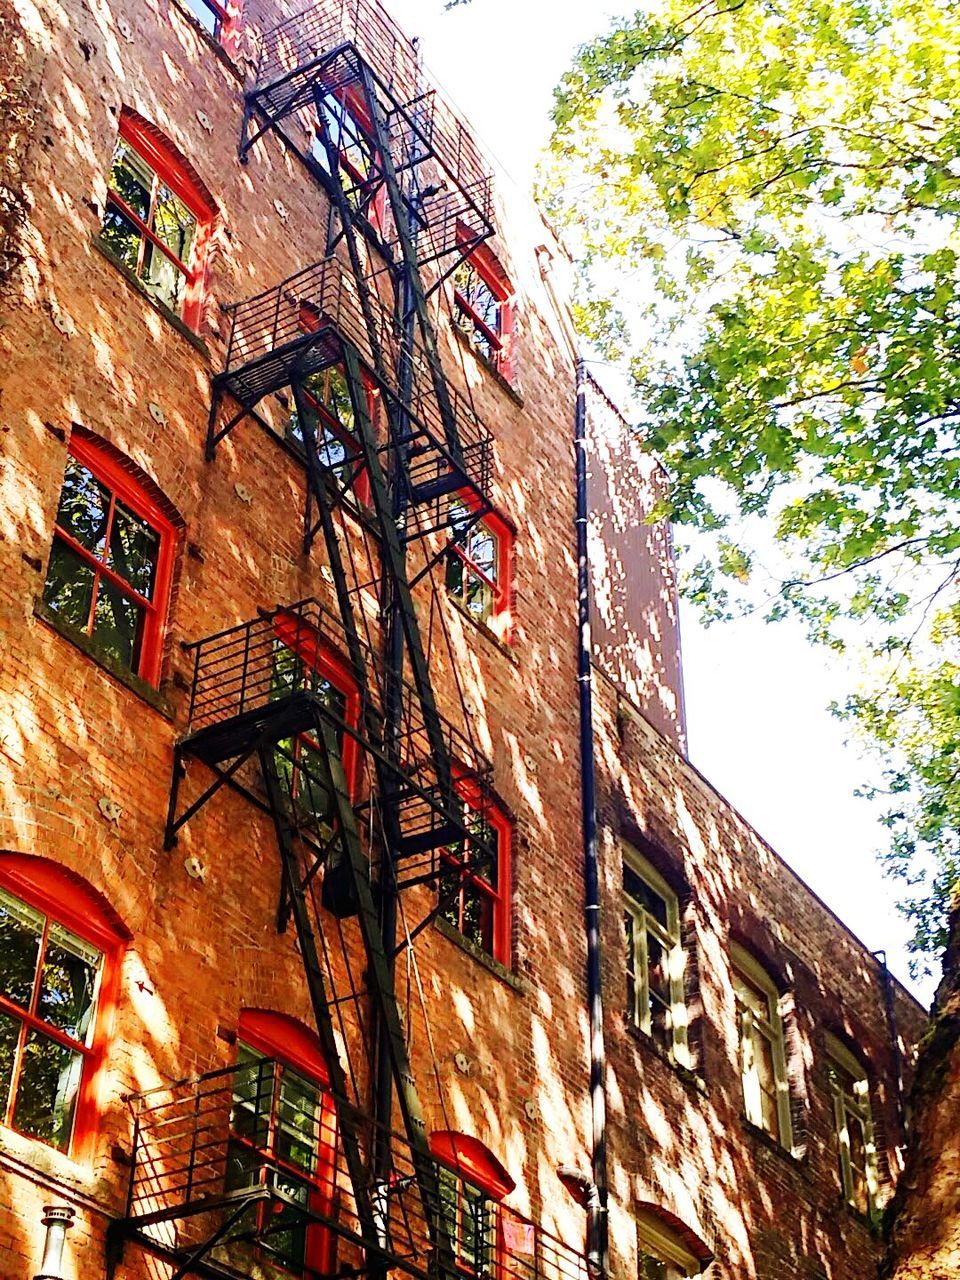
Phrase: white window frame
pixel 770 1029
pixel 669 938
pixel 855 1105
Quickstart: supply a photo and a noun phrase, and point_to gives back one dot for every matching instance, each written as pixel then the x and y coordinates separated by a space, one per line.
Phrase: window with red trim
pixel 482 310
pixel 345 116
pixel 479 906
pixel 334 426
pixel 157 219
pixel 59 953
pixel 218 20
pixel 112 559
pixel 479 565
pixel 283 1135
pixel 303 660
pixel 472 1182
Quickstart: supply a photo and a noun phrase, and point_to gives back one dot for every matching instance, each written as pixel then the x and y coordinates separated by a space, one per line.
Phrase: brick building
pixel 293 861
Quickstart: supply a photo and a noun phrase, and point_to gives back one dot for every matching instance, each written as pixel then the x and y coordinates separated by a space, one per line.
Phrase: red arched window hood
pixel 67 896
pixel 471 1160
pixel 277 1035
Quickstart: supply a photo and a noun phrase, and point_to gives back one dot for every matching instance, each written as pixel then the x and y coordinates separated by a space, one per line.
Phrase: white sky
pixel 756 695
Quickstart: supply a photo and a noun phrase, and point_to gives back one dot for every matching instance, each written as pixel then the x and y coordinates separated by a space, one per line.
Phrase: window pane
pixel 47 1092
pixel 68 983
pixel 252 1096
pixel 454 574
pixel 298 1121
pixel 167 282
pixel 121 236
pixel 638 889
pixel 133 550
pixel 482 550
pixel 486 834
pixel 450 884
pixel 658 992
pixel 209 20
pixel 652 1268
pixel 84 507
pixel 479 596
pixel 477 922
pixel 471 1229
pixel 132 179
pixel 9 1035
pixel 290 1242
pixel 174 224
pixel 69 586
pixel 20 930
pixel 243 1167
pixel 631 966
pixel 760 1082
pixel 758 1002
pixel 314 803
pixel 118 625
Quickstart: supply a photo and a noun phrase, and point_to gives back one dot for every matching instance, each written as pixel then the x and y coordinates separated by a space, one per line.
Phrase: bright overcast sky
pixel 756 695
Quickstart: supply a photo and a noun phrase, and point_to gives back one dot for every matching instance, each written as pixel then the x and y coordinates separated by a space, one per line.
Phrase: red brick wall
pixel 680 1140
pixel 635 615
pixel 80 345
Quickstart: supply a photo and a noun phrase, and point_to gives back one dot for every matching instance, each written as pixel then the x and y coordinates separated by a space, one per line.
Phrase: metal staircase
pixel 366 793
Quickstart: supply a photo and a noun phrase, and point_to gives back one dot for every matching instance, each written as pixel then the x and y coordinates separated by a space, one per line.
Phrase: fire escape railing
pixel 407 188
pixel 303 325
pixel 229 1152
pixel 351 47
pixel 252 674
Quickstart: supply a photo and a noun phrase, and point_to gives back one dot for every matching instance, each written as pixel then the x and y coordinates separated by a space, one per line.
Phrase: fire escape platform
pixel 183 1209
pixel 283 717
pixel 296 328
pixel 354 51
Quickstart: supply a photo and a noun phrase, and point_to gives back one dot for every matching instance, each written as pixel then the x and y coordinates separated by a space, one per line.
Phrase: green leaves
pixel 780 184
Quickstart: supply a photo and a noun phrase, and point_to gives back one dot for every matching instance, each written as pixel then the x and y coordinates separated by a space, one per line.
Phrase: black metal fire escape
pixel 401 222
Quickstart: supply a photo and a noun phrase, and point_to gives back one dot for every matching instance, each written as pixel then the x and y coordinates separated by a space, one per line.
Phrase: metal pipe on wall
pixel 597 1227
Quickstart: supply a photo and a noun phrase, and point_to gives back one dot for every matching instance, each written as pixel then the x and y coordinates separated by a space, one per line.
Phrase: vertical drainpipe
pixel 597 1209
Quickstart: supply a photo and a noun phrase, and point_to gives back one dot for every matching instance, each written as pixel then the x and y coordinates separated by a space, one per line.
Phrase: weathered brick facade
pixel 86 755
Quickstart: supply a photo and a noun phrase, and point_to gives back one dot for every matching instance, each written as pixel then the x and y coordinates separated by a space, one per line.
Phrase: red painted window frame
pixel 310 319
pixel 116 477
pixel 352 97
pixel 470 1161
pixel 228 17
pixel 488 268
pixel 283 1039
pixel 502 896
pixel 68 900
pixel 500 620
pixel 173 170
pixel 316 652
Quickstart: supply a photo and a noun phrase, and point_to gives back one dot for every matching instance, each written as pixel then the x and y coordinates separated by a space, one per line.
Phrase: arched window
pixel 477 904
pixel 60 948
pixel 654 957
pixel 283 1135
pixel 327 394
pixel 111 563
pixel 763 1056
pixel 483 311
pixel 668 1250
pixel 479 572
pixel 853 1121
pixel 472 1182
pixel 304 659
pixel 158 217
pixel 343 112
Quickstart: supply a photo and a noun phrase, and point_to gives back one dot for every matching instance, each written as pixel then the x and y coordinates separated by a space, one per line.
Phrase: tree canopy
pixel 781 182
